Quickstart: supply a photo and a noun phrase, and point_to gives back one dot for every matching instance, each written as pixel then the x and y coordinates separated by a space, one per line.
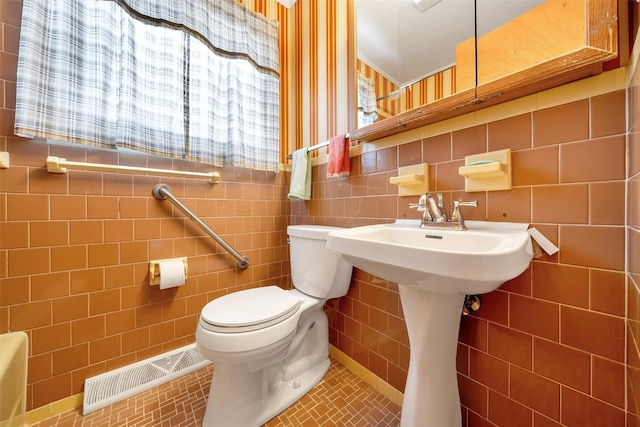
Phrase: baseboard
pixel 54 408
pixel 367 376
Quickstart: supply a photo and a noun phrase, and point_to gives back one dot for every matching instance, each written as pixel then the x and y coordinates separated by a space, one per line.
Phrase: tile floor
pixel 341 399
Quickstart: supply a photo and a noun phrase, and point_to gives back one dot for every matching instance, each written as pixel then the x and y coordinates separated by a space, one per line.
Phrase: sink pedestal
pixel 431 397
pixel 434 269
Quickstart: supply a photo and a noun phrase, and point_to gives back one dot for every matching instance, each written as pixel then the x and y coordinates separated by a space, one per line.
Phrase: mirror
pixel 399 45
pixel 523 47
pixel 410 53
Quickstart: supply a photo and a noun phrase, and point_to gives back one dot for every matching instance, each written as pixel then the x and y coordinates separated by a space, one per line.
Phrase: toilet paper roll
pixel 171 273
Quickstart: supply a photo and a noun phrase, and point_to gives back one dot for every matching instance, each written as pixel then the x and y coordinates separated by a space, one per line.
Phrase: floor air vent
pixel 110 387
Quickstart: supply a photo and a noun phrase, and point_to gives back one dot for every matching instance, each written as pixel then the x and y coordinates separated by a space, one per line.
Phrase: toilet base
pixel 239 408
pixel 241 396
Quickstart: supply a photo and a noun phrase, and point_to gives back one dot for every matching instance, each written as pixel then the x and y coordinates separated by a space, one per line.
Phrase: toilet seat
pixel 249 310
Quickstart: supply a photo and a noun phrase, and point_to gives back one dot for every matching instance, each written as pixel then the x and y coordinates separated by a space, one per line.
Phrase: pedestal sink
pixel 434 270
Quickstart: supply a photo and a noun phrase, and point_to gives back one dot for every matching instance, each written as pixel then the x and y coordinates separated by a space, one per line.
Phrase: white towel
pixel 300 186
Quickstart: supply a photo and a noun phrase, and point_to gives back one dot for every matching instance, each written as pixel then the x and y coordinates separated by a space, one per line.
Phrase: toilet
pixel 270 346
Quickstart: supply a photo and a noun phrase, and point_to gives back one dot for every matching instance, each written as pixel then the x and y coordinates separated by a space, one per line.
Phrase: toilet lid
pixel 249 310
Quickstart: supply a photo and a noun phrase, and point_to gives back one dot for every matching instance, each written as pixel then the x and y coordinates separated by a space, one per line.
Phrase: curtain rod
pixel 315 147
pixel 60 165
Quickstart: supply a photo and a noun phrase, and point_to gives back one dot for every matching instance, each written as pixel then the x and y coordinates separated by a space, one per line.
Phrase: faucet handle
pixel 421 206
pixel 473 203
pixel 456 216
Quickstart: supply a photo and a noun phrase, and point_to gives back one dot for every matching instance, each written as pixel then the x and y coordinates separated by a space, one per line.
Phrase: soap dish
pixel 487 171
pixel 483 169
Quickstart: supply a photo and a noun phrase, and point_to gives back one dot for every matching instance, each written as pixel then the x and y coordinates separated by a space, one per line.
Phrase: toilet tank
pixel 315 270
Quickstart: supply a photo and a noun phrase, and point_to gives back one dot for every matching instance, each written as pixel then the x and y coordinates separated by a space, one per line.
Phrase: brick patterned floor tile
pixel 341 399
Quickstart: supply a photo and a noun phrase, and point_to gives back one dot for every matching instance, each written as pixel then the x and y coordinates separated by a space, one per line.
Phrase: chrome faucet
pixel 438 213
pixel 434 214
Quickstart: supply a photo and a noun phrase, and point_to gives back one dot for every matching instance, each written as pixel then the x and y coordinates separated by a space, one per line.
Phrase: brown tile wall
pixel 633 249
pixel 75 249
pixel 547 348
pixel 75 259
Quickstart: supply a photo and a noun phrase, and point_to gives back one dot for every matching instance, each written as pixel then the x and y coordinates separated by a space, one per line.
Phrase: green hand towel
pixel 300 186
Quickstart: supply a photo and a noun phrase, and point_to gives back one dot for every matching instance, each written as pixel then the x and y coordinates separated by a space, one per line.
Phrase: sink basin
pixel 473 261
pixel 434 269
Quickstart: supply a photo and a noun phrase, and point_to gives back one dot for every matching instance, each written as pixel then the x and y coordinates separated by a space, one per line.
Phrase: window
pixel 195 80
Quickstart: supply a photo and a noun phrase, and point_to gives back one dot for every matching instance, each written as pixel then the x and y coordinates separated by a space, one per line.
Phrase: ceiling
pixel 405 45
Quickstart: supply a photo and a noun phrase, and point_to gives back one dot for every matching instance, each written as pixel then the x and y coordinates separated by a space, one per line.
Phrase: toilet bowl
pixel 270 346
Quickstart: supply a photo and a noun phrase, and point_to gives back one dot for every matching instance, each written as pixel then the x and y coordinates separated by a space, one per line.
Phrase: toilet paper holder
pixel 154 270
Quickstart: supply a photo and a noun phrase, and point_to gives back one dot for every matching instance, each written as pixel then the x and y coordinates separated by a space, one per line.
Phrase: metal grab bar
pixel 162 192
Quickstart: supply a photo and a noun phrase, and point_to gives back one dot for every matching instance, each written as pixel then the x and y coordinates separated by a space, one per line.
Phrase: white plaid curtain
pixel 367 104
pixel 190 79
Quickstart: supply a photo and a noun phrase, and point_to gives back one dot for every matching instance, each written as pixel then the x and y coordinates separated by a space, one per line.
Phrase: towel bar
pixel 60 165
pixel 315 147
